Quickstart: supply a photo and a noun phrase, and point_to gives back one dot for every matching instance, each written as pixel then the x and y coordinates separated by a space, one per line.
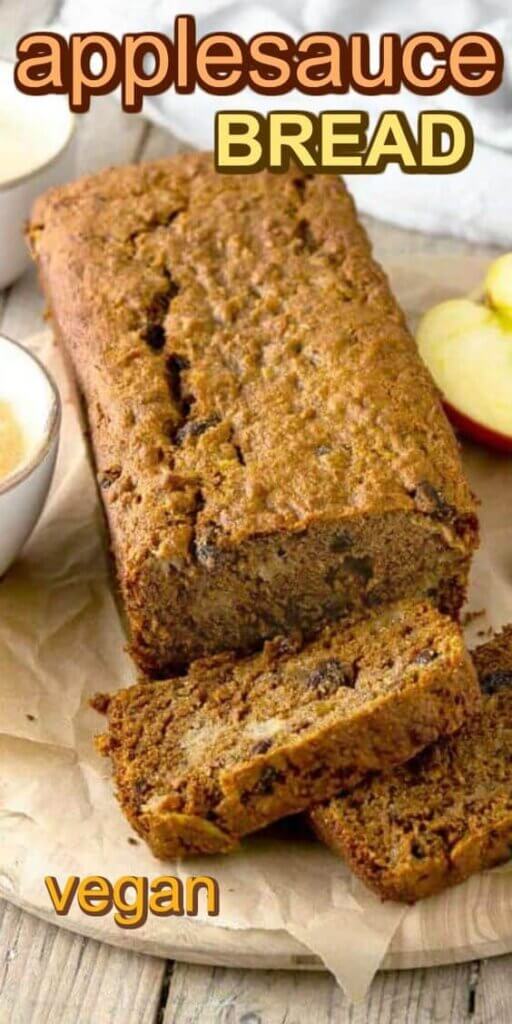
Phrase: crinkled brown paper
pixel 61 640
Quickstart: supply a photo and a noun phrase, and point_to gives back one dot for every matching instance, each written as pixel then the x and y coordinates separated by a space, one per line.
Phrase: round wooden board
pixel 474 925
pixel 470 922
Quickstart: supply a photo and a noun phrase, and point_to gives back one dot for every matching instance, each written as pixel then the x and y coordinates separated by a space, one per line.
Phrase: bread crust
pixel 430 824
pixel 270 450
pixel 202 760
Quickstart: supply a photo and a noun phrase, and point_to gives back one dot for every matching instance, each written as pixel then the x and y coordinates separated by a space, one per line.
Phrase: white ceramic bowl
pixel 34 399
pixel 44 128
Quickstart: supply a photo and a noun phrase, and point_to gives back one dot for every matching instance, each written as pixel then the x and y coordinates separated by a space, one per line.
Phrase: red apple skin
pixel 477 432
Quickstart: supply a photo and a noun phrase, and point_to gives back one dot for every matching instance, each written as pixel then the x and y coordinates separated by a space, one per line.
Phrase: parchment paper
pixel 61 640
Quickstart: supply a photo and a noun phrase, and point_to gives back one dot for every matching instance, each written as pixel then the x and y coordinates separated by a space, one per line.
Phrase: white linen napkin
pixel 475 203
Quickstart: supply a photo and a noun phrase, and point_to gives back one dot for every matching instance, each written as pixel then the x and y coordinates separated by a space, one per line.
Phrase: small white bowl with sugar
pixel 30 416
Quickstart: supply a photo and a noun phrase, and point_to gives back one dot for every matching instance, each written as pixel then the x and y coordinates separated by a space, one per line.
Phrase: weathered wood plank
pixel 493 992
pixel 158 143
pixel 417 997
pixel 22 313
pixel 218 995
pixel 107 136
pixel 3 300
pixel 389 240
pixel 228 996
pixel 49 975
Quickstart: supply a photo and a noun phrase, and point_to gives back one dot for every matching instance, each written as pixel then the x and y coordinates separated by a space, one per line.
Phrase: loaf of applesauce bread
pixel 202 759
pixel 271 452
pixel 446 814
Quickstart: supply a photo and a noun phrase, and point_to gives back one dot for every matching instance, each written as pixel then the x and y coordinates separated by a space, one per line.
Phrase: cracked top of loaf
pixel 246 367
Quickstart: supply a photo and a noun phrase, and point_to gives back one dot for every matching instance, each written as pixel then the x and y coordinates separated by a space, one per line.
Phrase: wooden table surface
pixel 50 975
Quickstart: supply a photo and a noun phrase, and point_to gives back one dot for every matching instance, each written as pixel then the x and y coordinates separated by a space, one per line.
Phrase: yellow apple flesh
pixel 467 347
pixel 498 285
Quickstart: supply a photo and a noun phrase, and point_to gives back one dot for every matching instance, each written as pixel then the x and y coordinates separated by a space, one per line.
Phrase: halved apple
pixel 467 347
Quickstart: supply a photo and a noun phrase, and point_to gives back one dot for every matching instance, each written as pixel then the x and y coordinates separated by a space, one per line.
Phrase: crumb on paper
pixel 470 617
pixel 485 632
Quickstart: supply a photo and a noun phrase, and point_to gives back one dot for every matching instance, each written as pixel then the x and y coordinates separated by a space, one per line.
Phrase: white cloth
pixel 475 203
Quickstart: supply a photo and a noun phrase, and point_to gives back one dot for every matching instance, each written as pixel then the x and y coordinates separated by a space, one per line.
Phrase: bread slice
pixel 447 813
pixel 203 759
pixel 271 451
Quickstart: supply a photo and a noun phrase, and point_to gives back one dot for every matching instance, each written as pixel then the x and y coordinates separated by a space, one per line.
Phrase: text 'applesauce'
pixel 12 442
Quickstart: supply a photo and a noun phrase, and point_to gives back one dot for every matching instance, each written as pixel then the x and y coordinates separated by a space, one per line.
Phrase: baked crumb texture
pixel 447 814
pixel 202 759
pixel 270 450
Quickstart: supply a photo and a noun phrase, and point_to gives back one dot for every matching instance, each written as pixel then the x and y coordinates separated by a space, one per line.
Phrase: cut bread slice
pixel 235 744
pixel 446 814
